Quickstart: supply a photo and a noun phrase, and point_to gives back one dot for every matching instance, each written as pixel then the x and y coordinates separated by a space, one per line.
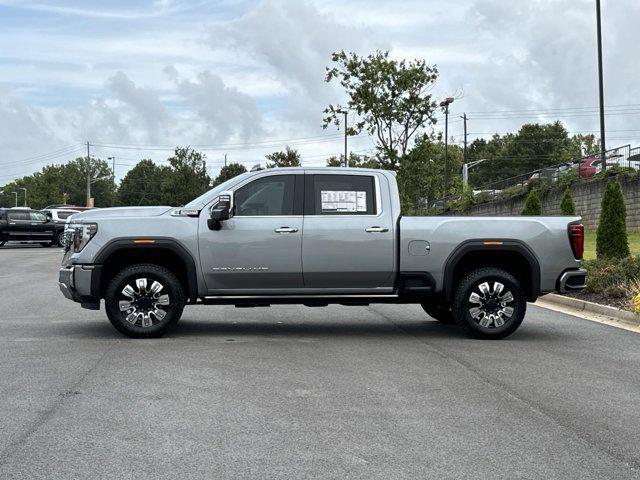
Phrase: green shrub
pixel 611 237
pixel 566 206
pixel 532 206
pixel 603 273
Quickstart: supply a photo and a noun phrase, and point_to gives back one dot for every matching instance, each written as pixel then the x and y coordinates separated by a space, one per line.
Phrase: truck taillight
pixel 576 238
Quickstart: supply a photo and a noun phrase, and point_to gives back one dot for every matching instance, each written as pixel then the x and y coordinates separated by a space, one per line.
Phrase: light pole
pixel 445 103
pixel 465 170
pixel 25 195
pixel 15 194
pixel 603 148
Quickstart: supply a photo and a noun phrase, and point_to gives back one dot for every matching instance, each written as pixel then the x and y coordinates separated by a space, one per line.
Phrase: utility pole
pixel 464 119
pixel 25 195
pixel 113 169
pixel 15 194
pixel 445 103
pixel 225 159
pixel 346 159
pixel 603 148
pixel 88 175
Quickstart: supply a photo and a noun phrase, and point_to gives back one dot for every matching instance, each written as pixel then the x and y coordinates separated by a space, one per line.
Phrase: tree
pixel 355 161
pixel 532 205
pixel 533 147
pixel 566 206
pixel 187 179
pixel 421 173
pixel 142 185
pixel 57 183
pixel 228 172
pixel 389 97
pixel 611 237
pixel 288 158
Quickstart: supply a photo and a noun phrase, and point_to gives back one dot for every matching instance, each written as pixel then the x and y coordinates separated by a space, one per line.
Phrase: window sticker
pixel 343 201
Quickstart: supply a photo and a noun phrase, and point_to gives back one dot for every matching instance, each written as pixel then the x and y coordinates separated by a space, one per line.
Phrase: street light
pixel 25 195
pixel 603 148
pixel 465 170
pixel 445 103
pixel 15 194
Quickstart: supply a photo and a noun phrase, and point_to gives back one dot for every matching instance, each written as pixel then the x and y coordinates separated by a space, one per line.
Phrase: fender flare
pixel 128 243
pixel 492 245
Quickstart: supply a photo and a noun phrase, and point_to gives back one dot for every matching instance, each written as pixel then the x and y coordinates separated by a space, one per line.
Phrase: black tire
pixel 490 308
pixel 143 303
pixel 439 312
pixel 61 239
pixel 2 242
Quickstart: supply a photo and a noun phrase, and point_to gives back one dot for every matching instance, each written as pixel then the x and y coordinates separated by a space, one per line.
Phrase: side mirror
pixel 221 211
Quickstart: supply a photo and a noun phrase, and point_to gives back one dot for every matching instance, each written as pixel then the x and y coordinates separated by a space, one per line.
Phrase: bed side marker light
pixel 492 243
pixel 144 241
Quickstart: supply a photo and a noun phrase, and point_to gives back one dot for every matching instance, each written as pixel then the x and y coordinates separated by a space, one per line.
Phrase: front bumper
pixel 572 281
pixel 81 283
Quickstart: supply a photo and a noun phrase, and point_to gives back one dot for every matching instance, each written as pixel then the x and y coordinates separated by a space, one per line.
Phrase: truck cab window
pixel 266 196
pixel 341 195
pixel 37 217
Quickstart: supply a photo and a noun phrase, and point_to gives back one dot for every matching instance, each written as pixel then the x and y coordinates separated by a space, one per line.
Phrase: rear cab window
pixel 335 194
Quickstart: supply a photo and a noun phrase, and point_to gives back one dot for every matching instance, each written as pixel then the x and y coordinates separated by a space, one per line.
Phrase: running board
pixel 307 300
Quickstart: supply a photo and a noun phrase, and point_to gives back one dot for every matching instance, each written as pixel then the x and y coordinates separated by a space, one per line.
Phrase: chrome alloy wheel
pixel 489 305
pixel 145 304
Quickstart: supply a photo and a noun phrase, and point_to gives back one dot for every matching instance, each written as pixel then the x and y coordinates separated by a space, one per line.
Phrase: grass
pixel 590 244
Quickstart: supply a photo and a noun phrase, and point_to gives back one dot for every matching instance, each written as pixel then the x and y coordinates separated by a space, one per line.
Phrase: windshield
pixel 206 197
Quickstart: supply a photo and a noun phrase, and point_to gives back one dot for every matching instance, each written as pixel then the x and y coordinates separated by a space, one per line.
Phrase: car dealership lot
pixel 298 392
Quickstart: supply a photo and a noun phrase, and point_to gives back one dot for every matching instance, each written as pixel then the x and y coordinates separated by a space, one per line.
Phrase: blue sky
pixel 246 77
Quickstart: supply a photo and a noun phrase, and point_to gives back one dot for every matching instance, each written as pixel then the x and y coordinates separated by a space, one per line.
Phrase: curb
pixel 583 305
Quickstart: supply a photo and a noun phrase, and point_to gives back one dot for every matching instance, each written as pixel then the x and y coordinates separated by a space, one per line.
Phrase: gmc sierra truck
pixel 314 236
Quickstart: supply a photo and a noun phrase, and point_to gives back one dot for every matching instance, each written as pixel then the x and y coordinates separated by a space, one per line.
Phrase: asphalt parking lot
pixel 297 392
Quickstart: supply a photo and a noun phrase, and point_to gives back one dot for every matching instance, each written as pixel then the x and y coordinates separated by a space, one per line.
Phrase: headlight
pixel 79 234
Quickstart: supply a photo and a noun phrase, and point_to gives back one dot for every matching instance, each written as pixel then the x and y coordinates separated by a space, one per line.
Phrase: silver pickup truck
pixel 314 236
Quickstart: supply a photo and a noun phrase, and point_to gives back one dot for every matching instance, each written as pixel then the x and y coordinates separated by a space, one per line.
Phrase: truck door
pixel 18 225
pixel 259 249
pixel 40 229
pixel 348 242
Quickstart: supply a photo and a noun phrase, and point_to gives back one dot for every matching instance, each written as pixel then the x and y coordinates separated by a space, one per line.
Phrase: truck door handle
pixel 285 230
pixel 376 230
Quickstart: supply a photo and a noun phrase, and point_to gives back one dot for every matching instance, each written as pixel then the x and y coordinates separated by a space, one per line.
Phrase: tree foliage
pixel 143 184
pixel 389 98
pixel 533 147
pixel 355 161
pixel 56 183
pixel 287 158
pixel 611 237
pixel 566 206
pixel 532 206
pixel 187 178
pixel 228 172
pixel 421 174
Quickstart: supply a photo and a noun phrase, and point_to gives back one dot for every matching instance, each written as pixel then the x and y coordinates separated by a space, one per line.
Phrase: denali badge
pixel 240 269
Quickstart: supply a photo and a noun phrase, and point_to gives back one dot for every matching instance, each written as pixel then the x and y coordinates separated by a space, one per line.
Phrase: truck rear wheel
pixel 144 301
pixel 489 303
pixel 439 312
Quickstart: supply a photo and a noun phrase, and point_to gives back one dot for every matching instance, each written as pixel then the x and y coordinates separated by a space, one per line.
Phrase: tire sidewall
pixel 61 239
pixel 151 272
pixel 461 303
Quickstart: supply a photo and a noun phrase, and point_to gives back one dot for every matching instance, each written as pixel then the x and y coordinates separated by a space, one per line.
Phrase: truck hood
pixel 120 212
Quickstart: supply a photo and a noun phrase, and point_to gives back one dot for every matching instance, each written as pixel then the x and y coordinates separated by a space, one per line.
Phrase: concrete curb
pixel 583 305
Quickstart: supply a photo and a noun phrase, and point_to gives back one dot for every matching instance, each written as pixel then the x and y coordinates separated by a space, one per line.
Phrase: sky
pixel 246 78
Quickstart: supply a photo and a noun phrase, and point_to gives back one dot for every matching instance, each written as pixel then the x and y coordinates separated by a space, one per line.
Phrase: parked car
pixel 589 167
pixel 24 225
pixel 315 236
pixel 59 215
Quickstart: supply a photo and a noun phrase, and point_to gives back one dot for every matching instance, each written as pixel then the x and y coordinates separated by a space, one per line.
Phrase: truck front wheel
pixel 489 303
pixel 144 301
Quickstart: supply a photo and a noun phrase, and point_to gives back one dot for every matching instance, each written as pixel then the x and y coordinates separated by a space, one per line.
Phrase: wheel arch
pixel 511 255
pixel 163 252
